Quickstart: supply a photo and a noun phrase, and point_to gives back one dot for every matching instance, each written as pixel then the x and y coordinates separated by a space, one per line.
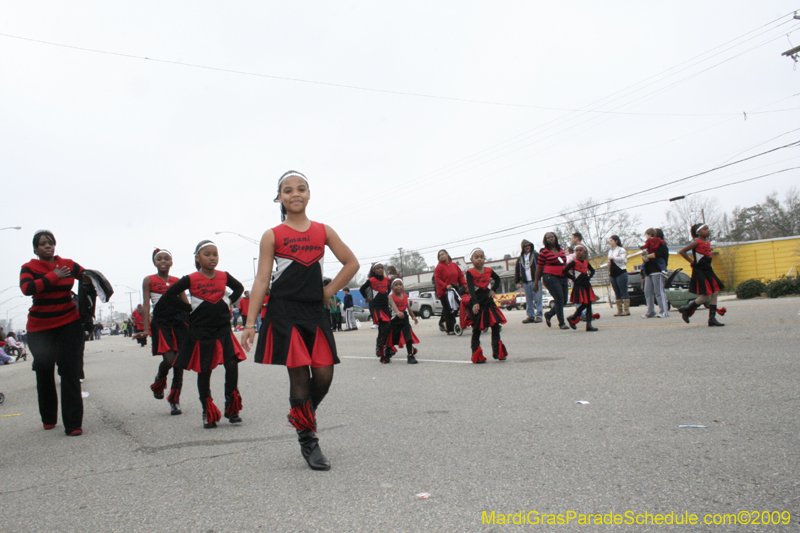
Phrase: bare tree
pixel 695 209
pixel 597 223
pixel 357 281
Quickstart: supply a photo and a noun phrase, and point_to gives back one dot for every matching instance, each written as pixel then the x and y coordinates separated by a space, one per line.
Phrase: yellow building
pixel 735 262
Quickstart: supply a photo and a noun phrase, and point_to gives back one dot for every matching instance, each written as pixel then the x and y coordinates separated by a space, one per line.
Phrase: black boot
pixel 302 417
pixel 158 386
pixel 211 413
pixel 589 326
pixel 688 310
pixel 712 317
pixel 411 359
pixel 233 404
pixel 174 399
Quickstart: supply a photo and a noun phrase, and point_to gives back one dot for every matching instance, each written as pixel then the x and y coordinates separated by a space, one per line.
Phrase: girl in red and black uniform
pixel 400 332
pixel 379 307
pixel 580 271
pixel 209 341
pixel 448 275
pixel 482 283
pixel 550 270
pixel 167 329
pixel 704 282
pixel 55 334
pixel 297 330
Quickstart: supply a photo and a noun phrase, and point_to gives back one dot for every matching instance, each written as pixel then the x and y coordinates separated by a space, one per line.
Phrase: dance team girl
pixel 209 341
pixel 376 292
pixel 296 331
pixel 705 282
pixel 482 283
pixel 400 332
pixel 580 271
pixel 167 328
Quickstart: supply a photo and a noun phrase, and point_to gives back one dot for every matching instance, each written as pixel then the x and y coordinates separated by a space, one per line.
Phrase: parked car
pixel 425 305
pixel 361 314
pixel 547 300
pixel 676 286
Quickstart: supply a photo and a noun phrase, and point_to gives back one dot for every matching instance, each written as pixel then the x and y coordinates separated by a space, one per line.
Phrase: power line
pixel 599 204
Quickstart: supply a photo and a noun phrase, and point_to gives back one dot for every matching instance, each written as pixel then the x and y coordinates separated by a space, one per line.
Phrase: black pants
pixel 559 290
pixel 60 347
pixel 447 314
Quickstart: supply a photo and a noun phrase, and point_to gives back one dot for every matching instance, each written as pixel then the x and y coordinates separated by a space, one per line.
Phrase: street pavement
pixel 503 437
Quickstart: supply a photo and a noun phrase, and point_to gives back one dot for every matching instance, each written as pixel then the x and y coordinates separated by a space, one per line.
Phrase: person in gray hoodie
pixel 524 276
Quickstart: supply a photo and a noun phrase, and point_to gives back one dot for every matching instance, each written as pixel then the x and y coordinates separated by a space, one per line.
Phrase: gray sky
pixel 480 116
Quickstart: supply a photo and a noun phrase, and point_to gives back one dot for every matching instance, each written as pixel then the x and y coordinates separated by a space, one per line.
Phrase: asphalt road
pixel 504 437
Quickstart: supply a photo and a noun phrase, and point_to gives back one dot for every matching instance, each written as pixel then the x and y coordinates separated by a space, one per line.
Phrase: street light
pixel 9 310
pixel 11 287
pixel 11 227
pixel 17 296
pixel 401 261
pixel 245 237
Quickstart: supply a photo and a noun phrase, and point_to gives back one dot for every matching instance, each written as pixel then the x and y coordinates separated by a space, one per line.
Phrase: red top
pixel 401 303
pixel 481 281
pixel 298 263
pixel 552 262
pixel 448 274
pixel 158 285
pixel 138 319
pixel 52 299
pixel 244 306
pixel 209 290
pixel 652 244
pixel 702 248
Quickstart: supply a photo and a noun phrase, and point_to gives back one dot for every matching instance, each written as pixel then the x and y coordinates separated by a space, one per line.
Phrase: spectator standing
pixel 653 283
pixel 349 321
pixel 524 274
pixel 448 275
pixel 618 274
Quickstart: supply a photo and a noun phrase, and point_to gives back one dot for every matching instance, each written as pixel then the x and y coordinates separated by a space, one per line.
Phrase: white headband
pixel 701 227
pixel 290 174
pixel 476 250
pixel 163 251
pixel 209 243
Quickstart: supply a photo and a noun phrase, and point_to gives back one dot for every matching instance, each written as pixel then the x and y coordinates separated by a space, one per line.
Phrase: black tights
pixel 383 335
pixel 307 381
pixel 231 380
pixel 579 310
pixel 177 373
pixel 476 335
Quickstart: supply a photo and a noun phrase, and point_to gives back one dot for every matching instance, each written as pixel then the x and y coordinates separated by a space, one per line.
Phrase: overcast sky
pixel 418 124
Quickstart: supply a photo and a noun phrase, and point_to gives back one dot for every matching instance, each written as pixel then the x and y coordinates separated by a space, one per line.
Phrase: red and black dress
pixel 480 284
pixel 580 272
pixel 168 325
pixel 296 330
pixel 381 311
pixel 400 332
pixel 55 337
pixel 209 340
pixel 704 280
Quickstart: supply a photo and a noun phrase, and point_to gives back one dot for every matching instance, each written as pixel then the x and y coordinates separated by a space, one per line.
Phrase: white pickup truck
pixel 425 304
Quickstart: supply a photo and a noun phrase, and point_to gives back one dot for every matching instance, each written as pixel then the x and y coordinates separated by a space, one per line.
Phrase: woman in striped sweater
pixel 55 335
pixel 550 270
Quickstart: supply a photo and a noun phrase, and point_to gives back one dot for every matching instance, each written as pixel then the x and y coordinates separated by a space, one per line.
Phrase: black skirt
pixel 296 334
pixel 704 280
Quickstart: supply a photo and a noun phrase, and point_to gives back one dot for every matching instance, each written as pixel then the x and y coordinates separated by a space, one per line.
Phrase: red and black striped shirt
pixel 52 297
pixel 552 262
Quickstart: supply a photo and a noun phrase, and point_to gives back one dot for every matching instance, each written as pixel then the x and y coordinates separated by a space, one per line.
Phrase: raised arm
pixel 684 252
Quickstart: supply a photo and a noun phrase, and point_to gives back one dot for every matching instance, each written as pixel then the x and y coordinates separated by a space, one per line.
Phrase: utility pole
pixel 401 262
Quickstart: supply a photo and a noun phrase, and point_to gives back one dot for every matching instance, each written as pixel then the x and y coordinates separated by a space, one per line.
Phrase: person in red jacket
pixel 448 275
pixel 55 334
pixel 138 326
pixel 244 307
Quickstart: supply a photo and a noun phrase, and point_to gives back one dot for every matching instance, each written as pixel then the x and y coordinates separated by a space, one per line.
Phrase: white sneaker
pixel 662 315
pixel 648 316
pixel 374 326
